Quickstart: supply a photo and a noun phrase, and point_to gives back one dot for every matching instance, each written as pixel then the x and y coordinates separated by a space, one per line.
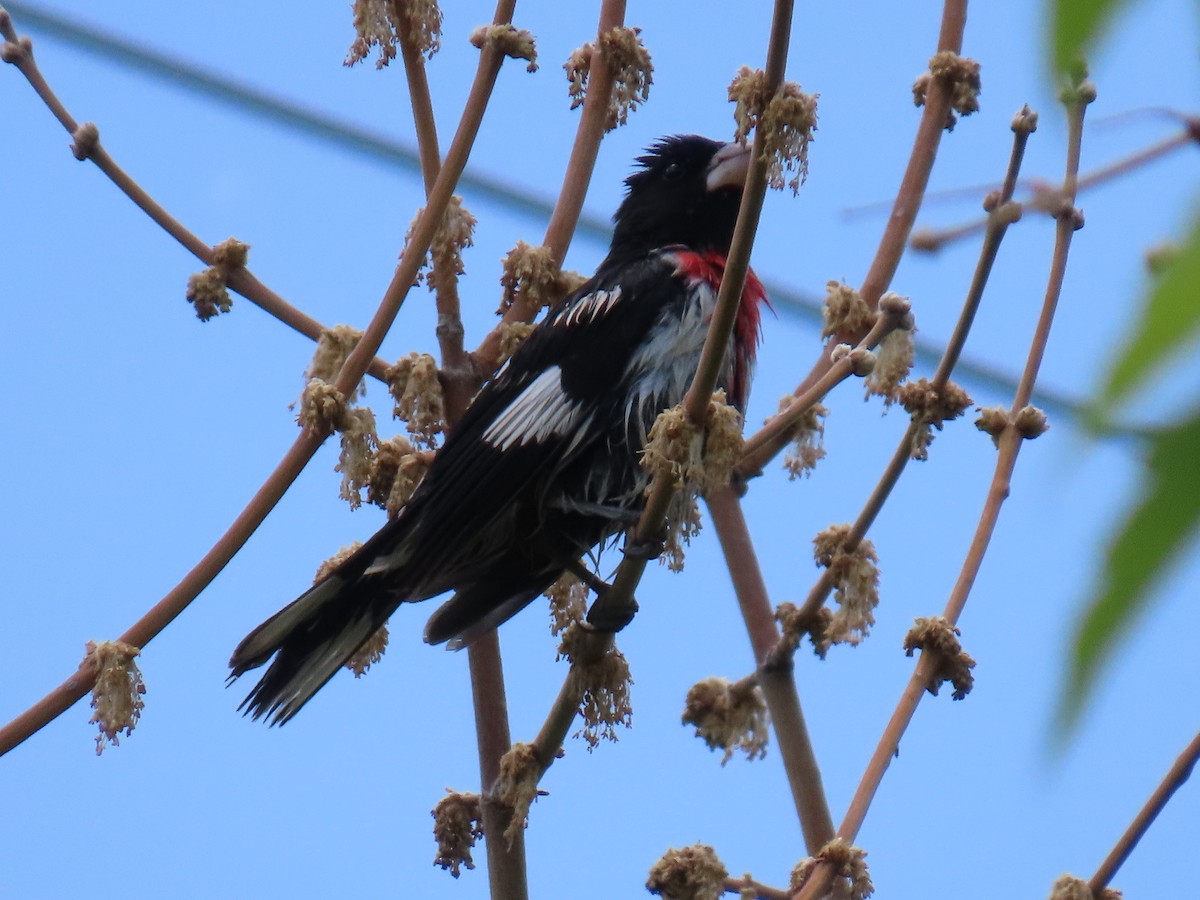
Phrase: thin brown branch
pixel 1046 199
pixel 904 208
pixel 616 607
pixel 1000 217
pixel 1009 443
pixel 593 121
pixel 1179 773
pixel 777 682
pixel 765 443
pixel 507 876
pixel 19 52
pixel 506 858
pixel 306 444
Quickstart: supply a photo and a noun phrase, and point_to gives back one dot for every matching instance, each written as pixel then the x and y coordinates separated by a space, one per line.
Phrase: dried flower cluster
pixel 455 234
pixel 952 664
pixel 516 43
pixel 369 653
pixel 568 606
pixel 322 407
pixel 693 873
pixel 386 23
pixel 690 455
pixel 516 786
pixel 729 716
pixel 512 336
pixel 357 457
pixel 808 444
pixel 457 825
pixel 531 276
pixel 414 384
pixel 603 688
pixel 396 470
pixel 845 311
pixel 333 346
pixel 930 408
pixel 794 625
pixel 695 460
pixel 632 70
pixel 959 76
pixel 785 119
pixel 855 575
pixel 849 866
pixel 206 290
pixel 894 357
pixel 117 694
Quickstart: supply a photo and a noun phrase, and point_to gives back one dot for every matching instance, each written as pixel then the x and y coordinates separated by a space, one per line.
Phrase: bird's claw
pixel 601 617
pixel 650 549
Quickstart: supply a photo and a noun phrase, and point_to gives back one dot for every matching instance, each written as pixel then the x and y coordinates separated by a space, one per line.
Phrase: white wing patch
pixel 589 308
pixel 541 411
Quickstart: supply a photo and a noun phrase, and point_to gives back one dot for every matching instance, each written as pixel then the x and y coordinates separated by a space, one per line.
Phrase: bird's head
pixel 687 191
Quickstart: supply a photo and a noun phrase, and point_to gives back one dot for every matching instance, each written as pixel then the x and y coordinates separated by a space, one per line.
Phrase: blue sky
pixel 138 433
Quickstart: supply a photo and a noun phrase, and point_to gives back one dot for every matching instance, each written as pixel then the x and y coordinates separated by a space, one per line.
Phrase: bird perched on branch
pixel 545 463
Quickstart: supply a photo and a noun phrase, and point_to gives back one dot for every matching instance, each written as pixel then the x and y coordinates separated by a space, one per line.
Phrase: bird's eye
pixel 673 171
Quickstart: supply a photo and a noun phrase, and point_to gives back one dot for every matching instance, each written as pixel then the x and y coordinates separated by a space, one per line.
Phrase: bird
pixel 544 465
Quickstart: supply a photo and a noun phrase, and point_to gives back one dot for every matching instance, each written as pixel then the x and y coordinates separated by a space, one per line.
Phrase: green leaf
pixel 1170 316
pixel 1149 542
pixel 1077 26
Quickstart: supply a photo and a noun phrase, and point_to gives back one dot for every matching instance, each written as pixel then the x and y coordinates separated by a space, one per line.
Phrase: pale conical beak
pixel 729 167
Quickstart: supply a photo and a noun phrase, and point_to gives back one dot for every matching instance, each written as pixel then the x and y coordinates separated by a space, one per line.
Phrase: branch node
pixel 1031 422
pixel 855 574
pixel 959 76
pixel 930 407
pixel 848 863
pixel 84 141
pixel 513 42
pixel 935 635
pixel 516 785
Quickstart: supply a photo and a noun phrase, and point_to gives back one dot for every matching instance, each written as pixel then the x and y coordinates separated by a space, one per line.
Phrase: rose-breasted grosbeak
pixel 545 464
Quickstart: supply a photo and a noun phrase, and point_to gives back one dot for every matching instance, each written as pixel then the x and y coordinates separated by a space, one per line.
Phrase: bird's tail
pixel 311 638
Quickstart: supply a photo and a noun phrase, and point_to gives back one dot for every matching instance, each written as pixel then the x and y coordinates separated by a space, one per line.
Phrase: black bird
pixel 545 463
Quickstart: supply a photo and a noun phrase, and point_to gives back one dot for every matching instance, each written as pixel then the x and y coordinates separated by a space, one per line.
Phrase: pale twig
pixel 777 682
pixel 507 871
pixel 1009 442
pixel 19 52
pixel 593 120
pixel 617 606
pixel 1045 198
pixel 765 443
pixel 1000 217
pixel 1179 773
pixel 908 197
pixel 760 891
pixel 306 444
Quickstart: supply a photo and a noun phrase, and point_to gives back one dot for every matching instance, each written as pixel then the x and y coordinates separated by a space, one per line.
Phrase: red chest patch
pixel 709 267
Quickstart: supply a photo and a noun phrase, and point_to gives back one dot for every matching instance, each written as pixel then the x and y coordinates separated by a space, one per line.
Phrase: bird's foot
pixel 603 617
pixel 650 549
